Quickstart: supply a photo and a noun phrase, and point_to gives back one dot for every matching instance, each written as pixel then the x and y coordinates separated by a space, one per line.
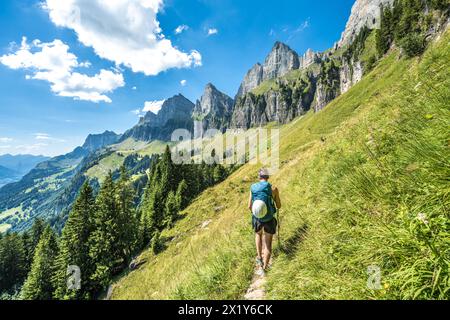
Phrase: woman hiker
pixel 263 202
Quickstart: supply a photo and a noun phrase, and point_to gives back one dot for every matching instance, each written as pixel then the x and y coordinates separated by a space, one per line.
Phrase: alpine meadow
pixel 351 155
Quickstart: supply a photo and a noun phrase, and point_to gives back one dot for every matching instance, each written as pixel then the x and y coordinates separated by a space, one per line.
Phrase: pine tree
pixel 385 34
pixel 36 231
pixel 145 225
pixel 13 262
pixel 38 285
pixel 219 174
pixel 74 247
pixel 182 196
pixel 105 233
pixel 127 241
pixel 27 248
pixel 171 210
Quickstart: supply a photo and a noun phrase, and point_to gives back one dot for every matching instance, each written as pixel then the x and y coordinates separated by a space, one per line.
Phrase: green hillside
pixel 363 183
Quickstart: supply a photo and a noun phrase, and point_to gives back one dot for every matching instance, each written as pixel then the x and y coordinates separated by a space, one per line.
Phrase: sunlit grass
pixel 354 179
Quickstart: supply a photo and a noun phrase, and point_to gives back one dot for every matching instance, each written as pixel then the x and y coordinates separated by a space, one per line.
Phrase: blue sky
pixel 89 75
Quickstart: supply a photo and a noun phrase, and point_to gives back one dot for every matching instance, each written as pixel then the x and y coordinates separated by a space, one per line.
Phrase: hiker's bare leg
pixel 267 248
pixel 259 243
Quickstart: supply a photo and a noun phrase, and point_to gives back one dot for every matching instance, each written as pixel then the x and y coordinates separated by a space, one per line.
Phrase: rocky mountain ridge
pixel 214 109
pixel 365 13
pixel 97 141
pixel 175 113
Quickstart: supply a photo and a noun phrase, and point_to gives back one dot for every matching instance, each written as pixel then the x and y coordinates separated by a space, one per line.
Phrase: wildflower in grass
pixel 422 217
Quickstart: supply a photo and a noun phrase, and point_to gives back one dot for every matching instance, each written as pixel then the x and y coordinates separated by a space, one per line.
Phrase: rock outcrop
pixel 350 74
pixel 214 109
pixel 252 79
pixel 97 141
pixel 280 61
pixel 175 113
pixel 289 101
pixel 364 13
pixel 310 57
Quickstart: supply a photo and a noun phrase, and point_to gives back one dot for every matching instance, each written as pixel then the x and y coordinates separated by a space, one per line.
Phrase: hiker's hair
pixel 263 173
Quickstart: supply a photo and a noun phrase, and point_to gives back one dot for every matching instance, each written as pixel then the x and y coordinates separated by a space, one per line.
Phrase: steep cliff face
pixel 280 61
pixel 175 113
pixel 289 100
pixel 252 79
pixel 97 141
pixel 214 109
pixel 364 13
pixel 350 74
pixel 309 58
pixel 328 84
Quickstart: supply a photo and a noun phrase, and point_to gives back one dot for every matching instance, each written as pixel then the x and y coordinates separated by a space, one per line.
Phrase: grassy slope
pixel 121 151
pixel 349 202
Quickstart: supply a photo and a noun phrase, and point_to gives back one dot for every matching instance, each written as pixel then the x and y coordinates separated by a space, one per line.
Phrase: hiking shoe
pixel 259 262
pixel 260 272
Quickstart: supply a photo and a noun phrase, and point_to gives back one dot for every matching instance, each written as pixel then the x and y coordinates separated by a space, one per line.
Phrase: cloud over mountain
pixel 126 32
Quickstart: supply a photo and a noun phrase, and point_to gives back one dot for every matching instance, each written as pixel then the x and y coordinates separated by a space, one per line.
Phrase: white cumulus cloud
pixel 149 106
pixel 54 63
pixel 183 82
pixel 126 32
pixel 153 106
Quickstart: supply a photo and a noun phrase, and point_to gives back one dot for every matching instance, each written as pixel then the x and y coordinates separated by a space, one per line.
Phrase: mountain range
pixel 285 86
pixel 14 167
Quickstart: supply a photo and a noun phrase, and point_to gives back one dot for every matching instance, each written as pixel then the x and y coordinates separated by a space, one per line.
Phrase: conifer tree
pixel 219 173
pixel 27 249
pixel 182 196
pixel 126 243
pixel 74 247
pixel 171 210
pixel 39 285
pixel 13 262
pixel 385 34
pixel 36 231
pixel 102 247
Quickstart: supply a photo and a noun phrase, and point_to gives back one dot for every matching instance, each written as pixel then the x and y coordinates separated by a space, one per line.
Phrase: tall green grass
pixel 381 195
pixel 363 183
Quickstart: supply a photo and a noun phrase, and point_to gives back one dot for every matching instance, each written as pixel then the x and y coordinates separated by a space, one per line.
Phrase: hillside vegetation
pixel 364 183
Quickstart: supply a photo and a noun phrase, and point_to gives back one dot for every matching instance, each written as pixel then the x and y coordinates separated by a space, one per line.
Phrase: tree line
pixel 102 233
pixel 407 23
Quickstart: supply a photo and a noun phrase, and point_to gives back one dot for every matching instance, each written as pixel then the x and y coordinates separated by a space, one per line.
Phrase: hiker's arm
pixel 276 196
pixel 250 202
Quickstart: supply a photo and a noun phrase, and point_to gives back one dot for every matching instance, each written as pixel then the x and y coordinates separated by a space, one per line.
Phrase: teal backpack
pixel 263 191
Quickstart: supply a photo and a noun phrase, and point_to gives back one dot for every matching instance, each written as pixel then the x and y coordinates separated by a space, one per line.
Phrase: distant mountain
pixel 281 89
pixel 175 113
pixel 97 141
pixel 6 173
pixel 214 109
pixel 7 176
pixel 50 188
pixel 13 168
pixel 278 62
pixel 21 163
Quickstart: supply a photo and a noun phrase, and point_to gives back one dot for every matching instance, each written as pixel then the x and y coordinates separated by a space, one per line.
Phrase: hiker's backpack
pixel 263 207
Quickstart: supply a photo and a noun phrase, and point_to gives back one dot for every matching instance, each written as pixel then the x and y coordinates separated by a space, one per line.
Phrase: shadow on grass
pixel 290 245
